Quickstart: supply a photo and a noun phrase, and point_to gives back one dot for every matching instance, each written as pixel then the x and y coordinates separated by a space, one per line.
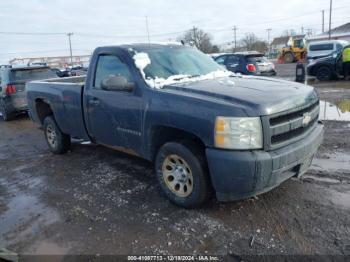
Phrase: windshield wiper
pixel 185 76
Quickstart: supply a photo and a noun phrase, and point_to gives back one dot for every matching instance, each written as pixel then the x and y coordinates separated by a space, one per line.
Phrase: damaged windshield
pixel 168 61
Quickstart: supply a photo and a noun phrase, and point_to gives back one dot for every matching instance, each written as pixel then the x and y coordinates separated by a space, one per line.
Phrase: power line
pixel 271 21
pixel 161 34
pixel 26 33
pixel 129 36
pixel 42 51
pixel 32 52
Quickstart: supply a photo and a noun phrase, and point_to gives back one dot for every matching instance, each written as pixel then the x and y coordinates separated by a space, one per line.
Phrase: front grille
pixel 283 118
pixel 290 126
pixel 292 134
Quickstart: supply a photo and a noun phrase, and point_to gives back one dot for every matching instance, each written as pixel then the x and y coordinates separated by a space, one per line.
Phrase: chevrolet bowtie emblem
pixel 306 119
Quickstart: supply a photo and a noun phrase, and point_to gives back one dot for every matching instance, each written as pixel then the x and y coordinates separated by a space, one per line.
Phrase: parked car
pixel 203 127
pixel 72 71
pixel 326 48
pixel 61 72
pixel 12 88
pixel 78 71
pixel 326 68
pixel 247 63
pixel 37 64
pixel 5 66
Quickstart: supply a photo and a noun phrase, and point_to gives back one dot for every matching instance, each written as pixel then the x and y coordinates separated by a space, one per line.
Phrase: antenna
pixel 149 40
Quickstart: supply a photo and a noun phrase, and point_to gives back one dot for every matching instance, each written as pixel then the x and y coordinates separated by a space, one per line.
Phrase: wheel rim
pixel 51 136
pixel 177 175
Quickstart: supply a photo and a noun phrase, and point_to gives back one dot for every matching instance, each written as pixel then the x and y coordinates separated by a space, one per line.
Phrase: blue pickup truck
pixel 206 129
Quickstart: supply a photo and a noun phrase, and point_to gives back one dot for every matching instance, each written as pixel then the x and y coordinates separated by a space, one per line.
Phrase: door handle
pixel 94 101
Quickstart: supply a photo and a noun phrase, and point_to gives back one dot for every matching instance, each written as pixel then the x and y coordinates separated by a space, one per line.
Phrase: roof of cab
pixel 145 45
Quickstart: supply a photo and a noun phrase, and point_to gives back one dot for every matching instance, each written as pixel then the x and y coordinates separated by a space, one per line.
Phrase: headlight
pixel 311 62
pixel 238 133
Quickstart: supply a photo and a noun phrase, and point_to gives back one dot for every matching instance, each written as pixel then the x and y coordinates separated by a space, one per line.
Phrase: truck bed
pixel 64 95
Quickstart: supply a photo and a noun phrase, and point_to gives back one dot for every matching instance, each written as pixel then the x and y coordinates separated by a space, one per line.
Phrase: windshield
pixel 171 61
pixel 32 74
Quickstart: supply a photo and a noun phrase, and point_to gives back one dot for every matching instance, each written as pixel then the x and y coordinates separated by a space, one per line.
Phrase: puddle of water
pixel 339 111
pixel 340 199
pixel 25 214
pixel 322 179
pixel 335 161
pixel 46 248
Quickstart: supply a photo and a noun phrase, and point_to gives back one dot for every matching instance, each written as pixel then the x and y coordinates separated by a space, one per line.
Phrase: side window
pixel 232 61
pixel 321 47
pixel 299 43
pixel 220 60
pixel 339 47
pixel 110 65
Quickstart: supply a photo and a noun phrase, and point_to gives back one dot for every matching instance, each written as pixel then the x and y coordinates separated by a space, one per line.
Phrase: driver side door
pixel 114 116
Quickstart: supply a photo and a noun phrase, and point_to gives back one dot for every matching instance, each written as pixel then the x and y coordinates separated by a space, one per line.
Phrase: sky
pixel 105 22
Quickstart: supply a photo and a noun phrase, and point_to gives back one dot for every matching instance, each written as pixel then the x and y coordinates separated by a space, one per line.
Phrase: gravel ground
pixel 97 201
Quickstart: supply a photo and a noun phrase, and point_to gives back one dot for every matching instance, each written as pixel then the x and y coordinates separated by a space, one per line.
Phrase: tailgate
pixel 19 99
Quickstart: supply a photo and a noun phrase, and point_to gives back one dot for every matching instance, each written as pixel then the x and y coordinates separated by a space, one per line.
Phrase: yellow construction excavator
pixel 294 51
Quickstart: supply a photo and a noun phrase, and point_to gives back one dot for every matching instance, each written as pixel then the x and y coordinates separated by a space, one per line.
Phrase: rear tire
pixel 58 142
pixel 288 57
pixel 324 73
pixel 6 116
pixel 182 174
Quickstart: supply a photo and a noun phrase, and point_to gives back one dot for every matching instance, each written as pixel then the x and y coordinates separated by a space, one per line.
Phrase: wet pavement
pixel 97 201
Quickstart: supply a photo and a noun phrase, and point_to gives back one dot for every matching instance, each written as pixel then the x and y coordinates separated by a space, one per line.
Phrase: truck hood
pixel 256 95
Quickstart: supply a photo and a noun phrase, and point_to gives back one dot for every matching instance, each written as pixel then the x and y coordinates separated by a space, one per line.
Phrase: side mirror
pixel 117 83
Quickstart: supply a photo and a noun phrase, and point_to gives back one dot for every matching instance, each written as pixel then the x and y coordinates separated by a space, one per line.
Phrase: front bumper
pixel 268 73
pixel 242 174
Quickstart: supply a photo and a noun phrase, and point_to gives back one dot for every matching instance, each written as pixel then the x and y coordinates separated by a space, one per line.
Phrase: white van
pixel 324 48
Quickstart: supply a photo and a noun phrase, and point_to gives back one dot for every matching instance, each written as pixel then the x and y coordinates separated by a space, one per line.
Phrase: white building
pixel 57 61
pixel 338 33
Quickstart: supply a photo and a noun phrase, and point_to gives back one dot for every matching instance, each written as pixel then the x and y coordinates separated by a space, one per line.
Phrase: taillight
pixel 10 89
pixel 251 68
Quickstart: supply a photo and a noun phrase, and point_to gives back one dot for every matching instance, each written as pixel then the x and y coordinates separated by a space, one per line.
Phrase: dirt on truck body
pixel 96 201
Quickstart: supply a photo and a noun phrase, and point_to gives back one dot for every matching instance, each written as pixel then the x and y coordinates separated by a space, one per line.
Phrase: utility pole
pixel 330 20
pixel 195 36
pixel 322 21
pixel 70 48
pixel 302 30
pixel 268 40
pixel 147 28
pixel 235 36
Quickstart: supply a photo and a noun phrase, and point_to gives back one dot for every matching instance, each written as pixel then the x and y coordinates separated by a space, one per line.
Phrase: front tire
pixel 324 73
pixel 182 174
pixel 288 57
pixel 58 142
